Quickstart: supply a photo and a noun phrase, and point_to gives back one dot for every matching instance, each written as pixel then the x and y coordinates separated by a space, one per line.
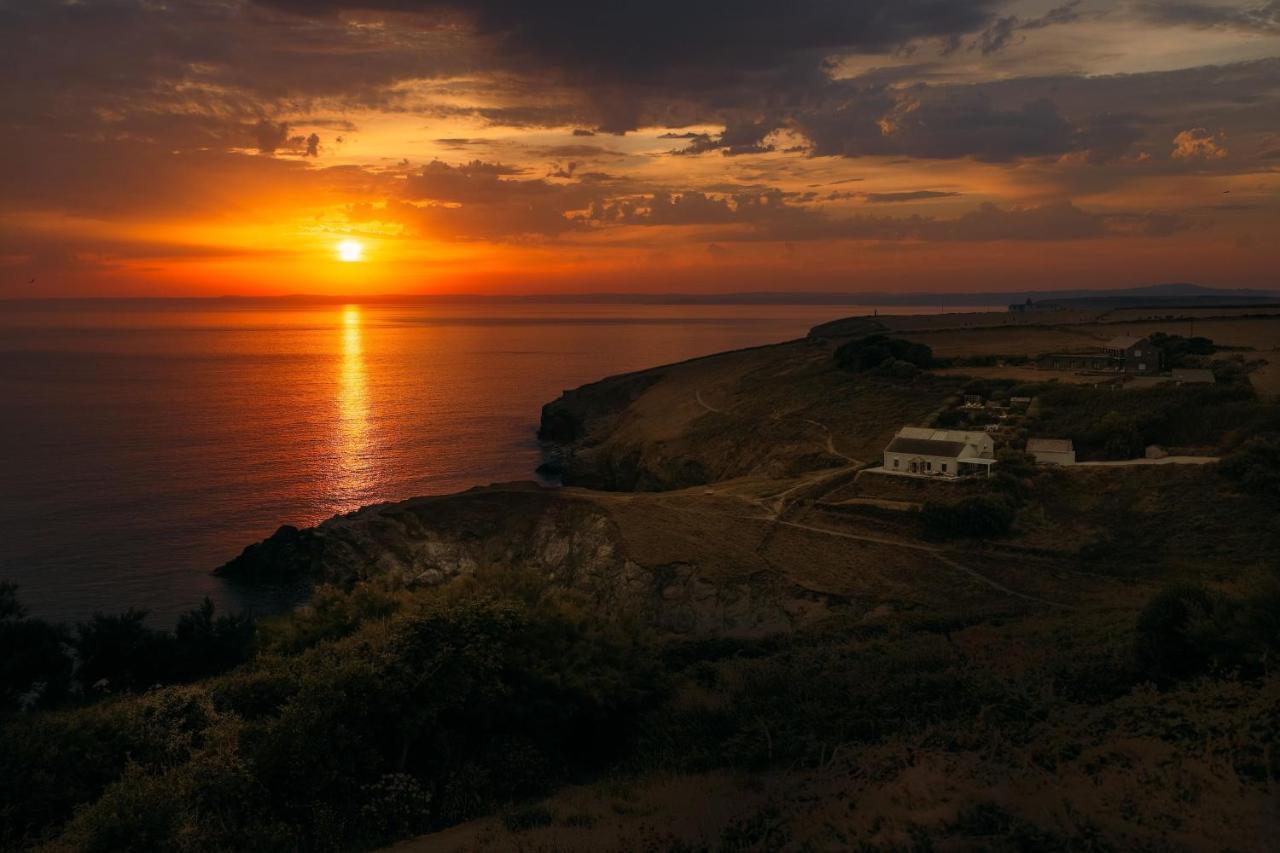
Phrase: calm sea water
pixel 144 444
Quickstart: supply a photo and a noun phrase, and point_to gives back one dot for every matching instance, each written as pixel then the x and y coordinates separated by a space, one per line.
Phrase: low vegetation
pixel 1119 424
pixel 990 510
pixel 1188 630
pixel 48 665
pixel 440 709
pixel 1109 423
pixel 1179 351
pixel 888 355
pixel 1256 466
pixel 383 712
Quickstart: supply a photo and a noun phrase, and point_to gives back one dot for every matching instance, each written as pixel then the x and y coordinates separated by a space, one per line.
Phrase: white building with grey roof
pixel 928 452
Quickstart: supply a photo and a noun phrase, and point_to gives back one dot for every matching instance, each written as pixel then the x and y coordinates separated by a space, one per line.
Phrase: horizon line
pixel 975 298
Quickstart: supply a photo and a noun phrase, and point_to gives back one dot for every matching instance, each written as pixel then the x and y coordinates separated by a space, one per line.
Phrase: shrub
pixel 875 350
pixel 206 644
pixel 1170 633
pixel 1119 437
pixel 35 668
pixel 1256 467
pixel 121 652
pixel 1186 631
pixel 424 719
pixel 1179 351
pixel 1105 422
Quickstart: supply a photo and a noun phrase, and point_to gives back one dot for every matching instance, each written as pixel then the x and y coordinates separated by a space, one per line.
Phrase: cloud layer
pixel 606 132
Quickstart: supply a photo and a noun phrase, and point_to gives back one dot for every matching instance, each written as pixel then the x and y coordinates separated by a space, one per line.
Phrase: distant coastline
pixel 1179 294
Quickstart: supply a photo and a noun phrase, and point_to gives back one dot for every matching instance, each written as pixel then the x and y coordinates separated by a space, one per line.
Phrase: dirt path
pixel 777 505
pixel 1168 460
pixel 697 395
pixel 831 443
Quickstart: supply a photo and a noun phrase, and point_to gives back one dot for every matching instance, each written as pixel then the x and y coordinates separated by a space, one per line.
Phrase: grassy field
pixel 1253 332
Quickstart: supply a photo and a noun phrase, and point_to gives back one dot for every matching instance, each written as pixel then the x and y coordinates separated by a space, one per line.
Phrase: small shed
pixel 1052 451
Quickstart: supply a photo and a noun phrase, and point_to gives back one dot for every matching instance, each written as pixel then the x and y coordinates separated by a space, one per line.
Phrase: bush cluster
pixel 1256 466
pixel 46 664
pixel 1116 424
pixel 1179 351
pixel 1186 630
pixel 894 355
pixel 433 714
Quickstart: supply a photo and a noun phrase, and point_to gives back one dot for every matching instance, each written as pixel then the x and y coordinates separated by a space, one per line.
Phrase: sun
pixel 350 251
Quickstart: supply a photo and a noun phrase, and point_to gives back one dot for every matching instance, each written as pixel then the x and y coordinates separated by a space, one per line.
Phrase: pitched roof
pixel 1049 445
pixel 1122 342
pixel 926 447
pixel 963 436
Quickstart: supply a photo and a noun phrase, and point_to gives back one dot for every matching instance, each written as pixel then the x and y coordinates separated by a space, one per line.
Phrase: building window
pixel 1142 366
pixel 928 466
pixel 944 467
pixel 1137 353
pixel 895 463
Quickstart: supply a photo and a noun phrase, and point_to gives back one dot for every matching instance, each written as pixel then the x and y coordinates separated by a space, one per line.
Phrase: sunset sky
pixel 501 146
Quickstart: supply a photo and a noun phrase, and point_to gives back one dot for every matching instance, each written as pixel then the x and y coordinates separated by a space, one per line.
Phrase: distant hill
pixel 1181 292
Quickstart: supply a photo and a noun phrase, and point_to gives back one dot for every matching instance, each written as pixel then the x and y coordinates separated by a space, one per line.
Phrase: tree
pixel 35 668
pixel 1166 644
pixel 1119 436
pixel 205 644
pixel 121 652
pixel 880 350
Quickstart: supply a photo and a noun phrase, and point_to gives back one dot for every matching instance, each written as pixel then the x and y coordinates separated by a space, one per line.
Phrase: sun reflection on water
pixel 356 475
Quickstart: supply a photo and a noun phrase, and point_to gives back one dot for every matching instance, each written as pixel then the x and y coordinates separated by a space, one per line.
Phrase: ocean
pixel 144 443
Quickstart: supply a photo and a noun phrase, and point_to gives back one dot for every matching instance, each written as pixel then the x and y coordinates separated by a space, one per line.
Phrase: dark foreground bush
pixel 1256 467
pixel 425 719
pixel 881 350
pixel 1186 630
pixel 46 664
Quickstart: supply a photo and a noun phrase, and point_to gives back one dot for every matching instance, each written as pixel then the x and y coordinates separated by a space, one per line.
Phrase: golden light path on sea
pixel 356 474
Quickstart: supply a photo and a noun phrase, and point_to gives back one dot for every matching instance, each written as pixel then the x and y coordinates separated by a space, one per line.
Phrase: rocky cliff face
pixel 572 539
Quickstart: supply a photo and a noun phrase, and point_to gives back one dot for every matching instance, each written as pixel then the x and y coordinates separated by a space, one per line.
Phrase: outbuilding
pixel 1052 451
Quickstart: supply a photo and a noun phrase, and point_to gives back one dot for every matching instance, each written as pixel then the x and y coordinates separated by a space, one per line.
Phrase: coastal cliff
pixel 768 411
pixel 625 557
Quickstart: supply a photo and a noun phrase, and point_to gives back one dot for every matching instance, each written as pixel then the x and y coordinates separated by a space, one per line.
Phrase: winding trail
pixel 776 506
pixel 704 404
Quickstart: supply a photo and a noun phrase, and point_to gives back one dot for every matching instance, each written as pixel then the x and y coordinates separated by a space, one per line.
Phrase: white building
pixel 924 451
pixel 1052 451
